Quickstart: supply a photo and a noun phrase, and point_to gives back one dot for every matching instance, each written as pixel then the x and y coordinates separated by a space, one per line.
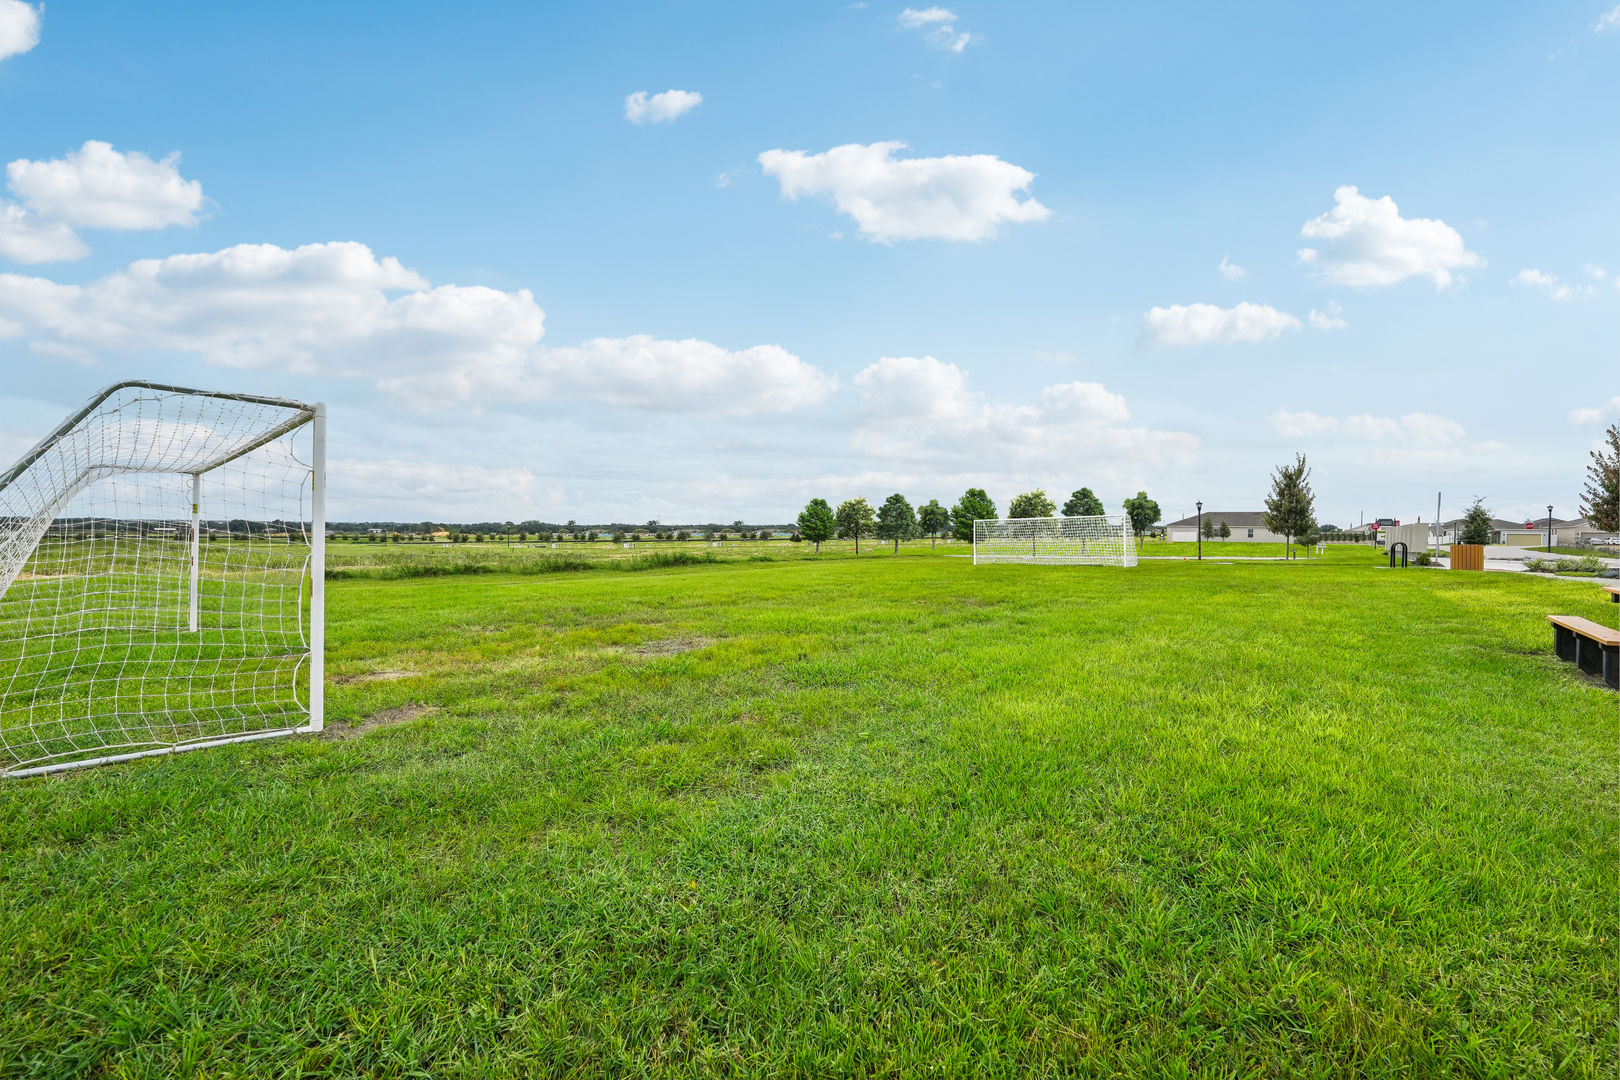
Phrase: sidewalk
pixel 1511 559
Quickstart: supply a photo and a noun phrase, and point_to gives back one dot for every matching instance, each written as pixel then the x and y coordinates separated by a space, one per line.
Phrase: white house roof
pixel 1234 518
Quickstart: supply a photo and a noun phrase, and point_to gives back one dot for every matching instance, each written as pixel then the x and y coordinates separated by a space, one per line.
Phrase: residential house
pixel 1248 526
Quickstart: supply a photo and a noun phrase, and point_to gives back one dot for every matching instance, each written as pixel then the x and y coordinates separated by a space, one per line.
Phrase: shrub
pixel 1476 525
pixel 1423 558
pixel 1586 564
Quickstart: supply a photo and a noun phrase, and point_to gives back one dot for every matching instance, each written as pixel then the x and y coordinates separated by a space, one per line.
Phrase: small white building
pixel 1248 526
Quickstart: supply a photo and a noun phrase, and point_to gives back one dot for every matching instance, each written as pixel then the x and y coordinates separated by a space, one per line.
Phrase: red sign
pixel 1529 524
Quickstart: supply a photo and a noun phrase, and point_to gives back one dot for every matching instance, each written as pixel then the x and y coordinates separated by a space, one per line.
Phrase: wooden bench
pixel 1613 591
pixel 1590 646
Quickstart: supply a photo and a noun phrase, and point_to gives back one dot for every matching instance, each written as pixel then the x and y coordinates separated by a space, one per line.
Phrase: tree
pixel 1476 525
pixel 1600 502
pixel 1143 512
pixel 1031 504
pixel 974 505
pixel 1310 534
pixel 817 523
pixel 854 520
pixel 1224 532
pixel 1209 528
pixel 933 519
pixel 896 521
pixel 1291 506
pixel 1083 503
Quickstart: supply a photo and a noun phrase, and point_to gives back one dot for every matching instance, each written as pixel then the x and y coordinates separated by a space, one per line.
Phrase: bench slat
pixel 1605 635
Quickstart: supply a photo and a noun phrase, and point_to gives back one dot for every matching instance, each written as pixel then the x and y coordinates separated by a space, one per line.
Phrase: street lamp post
pixel 1549 525
pixel 1200 530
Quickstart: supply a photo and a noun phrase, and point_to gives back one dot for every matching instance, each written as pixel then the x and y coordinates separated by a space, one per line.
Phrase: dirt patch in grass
pixel 375 676
pixel 399 714
pixel 670 646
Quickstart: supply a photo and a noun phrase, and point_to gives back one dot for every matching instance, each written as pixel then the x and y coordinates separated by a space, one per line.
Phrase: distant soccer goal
pixel 1104 540
pixel 161 559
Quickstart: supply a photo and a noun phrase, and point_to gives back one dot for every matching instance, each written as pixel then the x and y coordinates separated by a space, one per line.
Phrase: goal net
pixel 1104 540
pixel 161 558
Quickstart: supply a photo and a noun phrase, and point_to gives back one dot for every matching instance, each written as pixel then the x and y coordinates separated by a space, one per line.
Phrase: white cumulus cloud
pixel 1295 425
pixel 1207 324
pixel 1365 242
pixel 1532 278
pixel 1416 428
pixel 938 25
pixel 691 376
pixel 912 18
pixel 19 27
pixel 337 309
pixel 98 187
pixel 1597 415
pixel 437 489
pixel 26 238
pixel 919 415
pixel 1414 438
pixel 1608 20
pixel 639 108
pixel 959 197
pixel 1231 271
pixel 1331 319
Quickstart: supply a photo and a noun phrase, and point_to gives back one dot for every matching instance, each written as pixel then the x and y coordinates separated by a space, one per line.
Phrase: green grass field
pixel 878 817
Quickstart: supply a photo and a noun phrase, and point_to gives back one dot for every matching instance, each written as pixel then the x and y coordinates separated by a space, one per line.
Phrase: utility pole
pixel 1437 523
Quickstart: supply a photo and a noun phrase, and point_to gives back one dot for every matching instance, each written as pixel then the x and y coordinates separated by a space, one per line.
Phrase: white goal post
pixel 162 557
pixel 1103 540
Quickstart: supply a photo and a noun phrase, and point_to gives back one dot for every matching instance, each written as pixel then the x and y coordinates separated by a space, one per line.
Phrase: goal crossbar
pixel 1100 540
pixel 162 589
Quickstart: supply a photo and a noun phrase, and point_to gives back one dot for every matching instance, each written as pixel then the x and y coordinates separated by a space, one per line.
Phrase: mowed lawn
pixel 859 817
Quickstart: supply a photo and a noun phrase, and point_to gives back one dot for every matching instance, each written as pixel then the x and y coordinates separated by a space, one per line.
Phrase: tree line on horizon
pixel 896 520
pixel 1290 512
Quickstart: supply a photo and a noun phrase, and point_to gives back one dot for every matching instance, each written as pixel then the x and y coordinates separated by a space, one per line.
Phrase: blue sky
pixel 519 302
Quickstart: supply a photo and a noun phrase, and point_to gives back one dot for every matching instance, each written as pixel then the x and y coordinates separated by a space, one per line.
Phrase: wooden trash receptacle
pixel 1468 556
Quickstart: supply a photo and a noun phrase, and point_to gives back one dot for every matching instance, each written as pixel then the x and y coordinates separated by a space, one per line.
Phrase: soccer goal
pixel 1104 540
pixel 161 565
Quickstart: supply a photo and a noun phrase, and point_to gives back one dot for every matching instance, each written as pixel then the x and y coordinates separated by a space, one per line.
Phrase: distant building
pixel 1507 533
pixel 1248 526
pixel 1578 531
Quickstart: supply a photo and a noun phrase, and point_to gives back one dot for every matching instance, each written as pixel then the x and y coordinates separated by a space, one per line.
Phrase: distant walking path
pixel 1507 557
